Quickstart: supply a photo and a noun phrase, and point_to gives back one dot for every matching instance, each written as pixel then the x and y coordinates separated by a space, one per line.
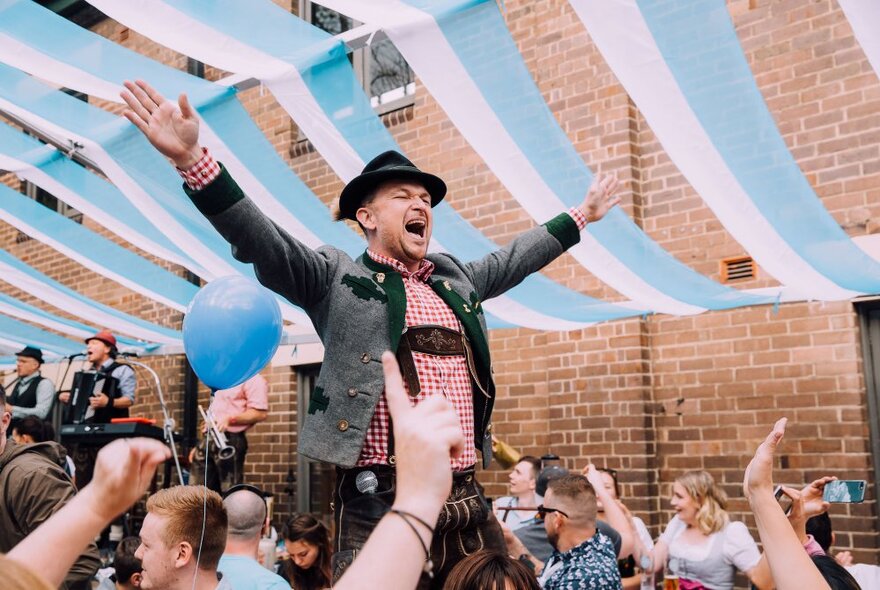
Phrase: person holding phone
pixel 701 543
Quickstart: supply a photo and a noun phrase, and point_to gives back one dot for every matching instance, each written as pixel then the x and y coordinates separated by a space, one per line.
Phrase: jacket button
pixel 365 358
pixel 342 425
pixel 352 392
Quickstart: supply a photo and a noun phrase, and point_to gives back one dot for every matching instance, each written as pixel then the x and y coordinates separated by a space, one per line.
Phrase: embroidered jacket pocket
pixel 364 288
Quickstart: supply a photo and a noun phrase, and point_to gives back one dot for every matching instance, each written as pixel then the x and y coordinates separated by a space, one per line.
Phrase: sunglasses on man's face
pixel 543 511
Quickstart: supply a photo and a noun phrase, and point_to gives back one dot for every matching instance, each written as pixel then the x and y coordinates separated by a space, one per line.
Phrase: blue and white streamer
pixel 88 193
pixel 463 53
pixel 29 313
pixel 310 75
pixel 681 62
pixel 16 335
pixel 31 281
pixel 94 252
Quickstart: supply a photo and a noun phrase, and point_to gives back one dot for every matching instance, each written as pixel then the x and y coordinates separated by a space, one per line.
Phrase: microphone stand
pixel 168 426
pixel 59 412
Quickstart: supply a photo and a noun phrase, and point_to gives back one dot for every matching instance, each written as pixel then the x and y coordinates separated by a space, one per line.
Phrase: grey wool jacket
pixel 358 306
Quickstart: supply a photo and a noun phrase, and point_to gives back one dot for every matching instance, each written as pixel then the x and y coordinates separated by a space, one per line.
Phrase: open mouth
pixel 416 227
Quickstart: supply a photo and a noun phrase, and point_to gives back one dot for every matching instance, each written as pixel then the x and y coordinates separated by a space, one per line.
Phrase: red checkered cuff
pixel 579 218
pixel 202 172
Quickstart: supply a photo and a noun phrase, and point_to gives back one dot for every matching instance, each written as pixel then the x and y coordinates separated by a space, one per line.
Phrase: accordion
pixel 87 384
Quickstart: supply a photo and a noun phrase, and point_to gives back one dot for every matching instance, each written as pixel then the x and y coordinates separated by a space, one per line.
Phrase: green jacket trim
pixel 565 229
pixel 218 196
pixel 467 315
pixel 390 281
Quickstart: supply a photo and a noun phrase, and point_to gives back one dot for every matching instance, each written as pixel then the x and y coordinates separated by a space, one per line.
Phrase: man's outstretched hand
pixel 173 129
pixel 601 197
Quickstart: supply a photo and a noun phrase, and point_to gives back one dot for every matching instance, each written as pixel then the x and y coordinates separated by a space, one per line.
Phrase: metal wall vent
pixel 738 268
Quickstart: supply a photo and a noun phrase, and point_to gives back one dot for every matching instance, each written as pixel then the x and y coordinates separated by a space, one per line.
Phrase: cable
pixel 204 511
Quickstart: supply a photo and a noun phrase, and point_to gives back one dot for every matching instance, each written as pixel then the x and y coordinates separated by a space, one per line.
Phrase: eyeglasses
pixel 543 511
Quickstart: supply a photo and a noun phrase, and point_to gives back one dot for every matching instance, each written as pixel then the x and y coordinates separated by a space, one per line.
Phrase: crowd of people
pixel 193 537
pixel 402 407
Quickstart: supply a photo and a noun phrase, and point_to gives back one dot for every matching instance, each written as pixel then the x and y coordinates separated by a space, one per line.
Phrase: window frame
pixel 361 63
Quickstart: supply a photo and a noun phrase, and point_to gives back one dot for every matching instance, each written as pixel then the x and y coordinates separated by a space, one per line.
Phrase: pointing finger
pixel 395 394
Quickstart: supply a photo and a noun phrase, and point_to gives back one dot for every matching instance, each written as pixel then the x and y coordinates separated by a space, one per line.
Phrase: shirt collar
pixel 585 547
pixel 426 267
pixel 106 363
pixel 30 377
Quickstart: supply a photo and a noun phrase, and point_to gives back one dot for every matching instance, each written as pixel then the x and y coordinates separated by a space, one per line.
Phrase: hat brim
pixel 362 186
pixel 107 342
pixel 28 355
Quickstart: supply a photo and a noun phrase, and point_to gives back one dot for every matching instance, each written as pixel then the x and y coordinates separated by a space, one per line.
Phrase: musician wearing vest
pixel 426 308
pixel 30 394
pixel 101 353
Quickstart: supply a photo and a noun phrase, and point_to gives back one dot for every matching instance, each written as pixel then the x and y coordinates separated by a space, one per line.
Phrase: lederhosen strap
pixel 434 340
pixel 427 339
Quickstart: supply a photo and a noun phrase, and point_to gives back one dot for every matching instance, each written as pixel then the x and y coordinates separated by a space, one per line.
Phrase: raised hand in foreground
pixel 123 470
pixel 791 567
pixel 425 438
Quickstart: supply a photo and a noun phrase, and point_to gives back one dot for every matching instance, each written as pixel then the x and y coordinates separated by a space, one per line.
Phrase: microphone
pixel 129 354
pixel 366 482
pixel 70 357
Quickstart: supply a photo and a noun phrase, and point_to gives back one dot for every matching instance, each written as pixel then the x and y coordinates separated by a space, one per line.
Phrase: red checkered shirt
pixel 202 172
pixel 447 376
pixel 438 375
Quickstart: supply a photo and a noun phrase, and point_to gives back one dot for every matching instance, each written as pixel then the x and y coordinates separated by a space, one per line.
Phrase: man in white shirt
pixel 523 479
pixel 30 394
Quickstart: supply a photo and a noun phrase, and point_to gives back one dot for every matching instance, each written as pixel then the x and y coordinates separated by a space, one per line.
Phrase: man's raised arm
pixel 281 262
pixel 506 267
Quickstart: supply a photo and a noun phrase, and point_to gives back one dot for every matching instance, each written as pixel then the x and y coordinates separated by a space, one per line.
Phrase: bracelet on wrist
pixel 428 568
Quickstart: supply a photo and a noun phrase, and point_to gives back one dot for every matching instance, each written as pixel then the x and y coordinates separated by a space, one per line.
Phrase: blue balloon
pixel 231 330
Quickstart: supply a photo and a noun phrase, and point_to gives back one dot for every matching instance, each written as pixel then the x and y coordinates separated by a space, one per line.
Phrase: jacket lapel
pixel 390 281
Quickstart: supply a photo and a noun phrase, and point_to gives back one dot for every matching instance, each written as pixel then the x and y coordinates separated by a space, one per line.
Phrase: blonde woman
pixel 701 544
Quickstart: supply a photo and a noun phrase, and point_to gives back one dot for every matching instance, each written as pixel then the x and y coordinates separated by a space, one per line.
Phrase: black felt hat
pixel 31 352
pixel 390 165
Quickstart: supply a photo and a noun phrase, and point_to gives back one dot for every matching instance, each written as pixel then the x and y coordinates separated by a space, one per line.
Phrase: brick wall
pixel 653 396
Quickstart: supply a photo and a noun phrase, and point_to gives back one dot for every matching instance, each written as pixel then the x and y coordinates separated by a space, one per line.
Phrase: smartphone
pixel 846 491
pixel 784 501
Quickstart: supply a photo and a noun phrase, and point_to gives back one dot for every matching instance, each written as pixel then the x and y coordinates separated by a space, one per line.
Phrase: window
pixel 385 75
pixel 49 200
pixel 315 481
